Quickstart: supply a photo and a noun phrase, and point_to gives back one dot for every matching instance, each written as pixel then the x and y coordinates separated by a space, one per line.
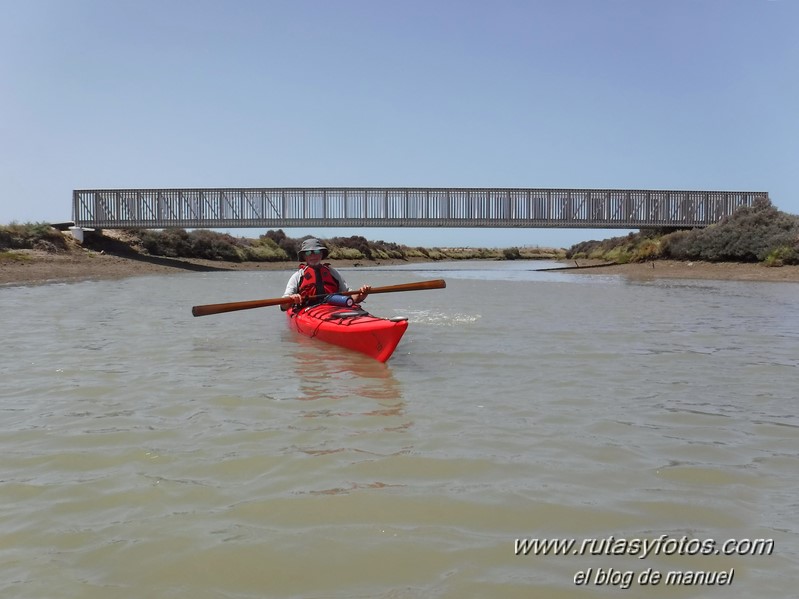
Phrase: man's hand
pixel 362 293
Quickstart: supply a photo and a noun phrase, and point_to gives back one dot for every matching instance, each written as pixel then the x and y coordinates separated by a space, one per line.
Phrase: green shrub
pixel 395 254
pixel 619 255
pixel 436 254
pixel 601 250
pixel 289 245
pixel 343 253
pixel 172 243
pixel 215 246
pixel 750 234
pixel 539 253
pixel 680 245
pixel 264 253
pixel 355 242
pixel 264 241
pixel 178 243
pixel 782 255
pixel 647 249
pixel 31 236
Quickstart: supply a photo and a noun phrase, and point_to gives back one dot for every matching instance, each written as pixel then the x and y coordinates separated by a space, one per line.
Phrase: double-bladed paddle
pixel 233 306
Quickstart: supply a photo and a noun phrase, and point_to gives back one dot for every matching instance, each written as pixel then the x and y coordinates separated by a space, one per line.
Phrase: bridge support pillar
pixel 77 233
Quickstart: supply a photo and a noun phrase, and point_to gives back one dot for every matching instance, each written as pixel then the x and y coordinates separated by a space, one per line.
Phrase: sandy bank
pixel 673 269
pixel 37 267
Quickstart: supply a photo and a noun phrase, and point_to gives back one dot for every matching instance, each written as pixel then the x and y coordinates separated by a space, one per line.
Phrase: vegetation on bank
pixel 31 236
pixel 274 246
pixel 760 233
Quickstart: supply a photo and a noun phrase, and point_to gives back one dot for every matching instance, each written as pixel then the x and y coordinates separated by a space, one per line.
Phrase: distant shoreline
pixel 675 269
pixel 34 267
pixel 38 267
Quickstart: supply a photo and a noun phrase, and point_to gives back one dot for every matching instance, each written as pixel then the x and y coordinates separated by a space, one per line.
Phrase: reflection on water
pixel 148 453
pixel 327 372
pixel 330 376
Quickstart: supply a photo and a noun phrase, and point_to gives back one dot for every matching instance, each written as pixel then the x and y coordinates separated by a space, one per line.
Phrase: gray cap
pixel 312 244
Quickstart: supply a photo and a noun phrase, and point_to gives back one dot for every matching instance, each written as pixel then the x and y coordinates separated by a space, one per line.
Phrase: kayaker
pixel 317 278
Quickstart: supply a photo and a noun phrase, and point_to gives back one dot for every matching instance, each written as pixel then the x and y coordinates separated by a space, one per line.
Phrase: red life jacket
pixel 317 281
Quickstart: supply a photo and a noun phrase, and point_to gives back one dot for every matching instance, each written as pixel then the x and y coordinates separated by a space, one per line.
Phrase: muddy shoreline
pixel 34 267
pixel 31 267
pixel 675 269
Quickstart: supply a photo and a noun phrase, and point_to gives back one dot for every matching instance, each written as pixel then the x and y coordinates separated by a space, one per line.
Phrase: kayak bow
pixel 352 328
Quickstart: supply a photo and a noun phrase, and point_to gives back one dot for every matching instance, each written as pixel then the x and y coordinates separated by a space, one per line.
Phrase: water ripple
pixel 149 453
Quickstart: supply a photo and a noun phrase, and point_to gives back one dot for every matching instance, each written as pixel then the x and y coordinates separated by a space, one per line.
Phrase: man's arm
pixel 293 286
pixel 363 291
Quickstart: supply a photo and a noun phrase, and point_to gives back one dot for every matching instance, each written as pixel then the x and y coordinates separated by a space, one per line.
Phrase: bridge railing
pixel 403 207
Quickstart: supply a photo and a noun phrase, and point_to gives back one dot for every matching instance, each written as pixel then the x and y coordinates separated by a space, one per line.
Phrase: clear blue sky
pixel 648 94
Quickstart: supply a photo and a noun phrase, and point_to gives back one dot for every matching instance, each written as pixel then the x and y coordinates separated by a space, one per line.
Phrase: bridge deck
pixel 403 207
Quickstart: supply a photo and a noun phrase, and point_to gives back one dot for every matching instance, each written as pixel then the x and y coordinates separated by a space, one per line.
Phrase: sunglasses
pixel 309 252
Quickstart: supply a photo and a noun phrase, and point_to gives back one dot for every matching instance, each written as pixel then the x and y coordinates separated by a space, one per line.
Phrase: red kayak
pixel 349 327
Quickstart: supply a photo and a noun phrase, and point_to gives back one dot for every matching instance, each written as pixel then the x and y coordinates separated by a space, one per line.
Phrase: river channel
pixel 148 453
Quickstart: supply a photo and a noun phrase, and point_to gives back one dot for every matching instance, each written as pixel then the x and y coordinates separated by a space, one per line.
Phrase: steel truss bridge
pixel 403 207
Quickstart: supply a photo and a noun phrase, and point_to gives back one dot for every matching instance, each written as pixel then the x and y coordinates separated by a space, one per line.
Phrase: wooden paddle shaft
pixel 435 284
pixel 248 305
pixel 233 306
